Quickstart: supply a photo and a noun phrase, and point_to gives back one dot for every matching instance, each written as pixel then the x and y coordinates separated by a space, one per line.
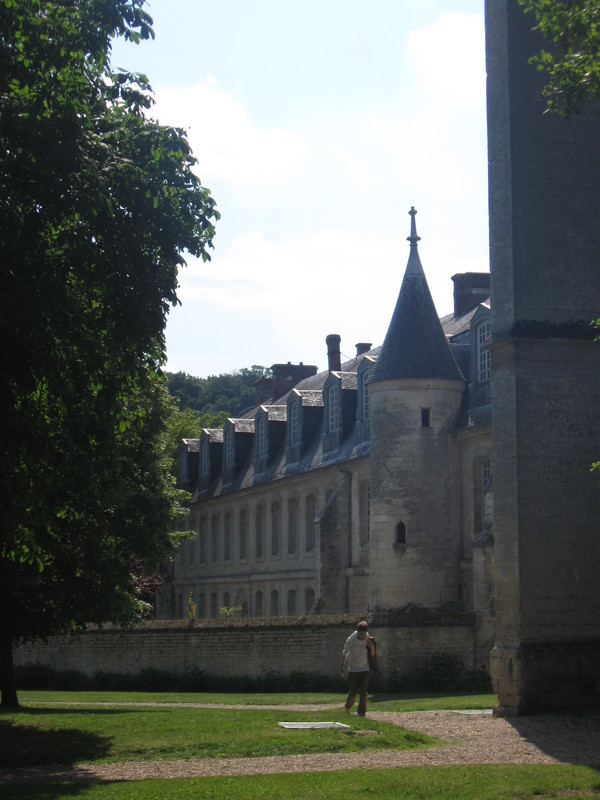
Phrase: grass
pixel 379 702
pixel 48 730
pixel 489 782
pixel 75 734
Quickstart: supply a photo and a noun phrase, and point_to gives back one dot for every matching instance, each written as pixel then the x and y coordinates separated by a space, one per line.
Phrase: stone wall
pixel 244 649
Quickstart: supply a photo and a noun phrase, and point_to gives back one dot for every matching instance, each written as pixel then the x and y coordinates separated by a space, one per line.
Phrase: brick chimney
pixel 470 289
pixel 334 358
pixel 363 347
pixel 286 376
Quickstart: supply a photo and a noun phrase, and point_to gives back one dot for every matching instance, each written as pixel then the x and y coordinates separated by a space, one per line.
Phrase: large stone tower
pixel 544 196
pixel 416 391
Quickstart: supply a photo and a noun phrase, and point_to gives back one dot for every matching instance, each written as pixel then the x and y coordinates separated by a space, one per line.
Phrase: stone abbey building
pixel 368 484
pixel 452 465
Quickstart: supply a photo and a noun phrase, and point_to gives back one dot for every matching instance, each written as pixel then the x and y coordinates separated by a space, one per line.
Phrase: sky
pixel 316 126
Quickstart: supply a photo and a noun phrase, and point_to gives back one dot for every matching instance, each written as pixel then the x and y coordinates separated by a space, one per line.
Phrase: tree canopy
pixel 230 394
pixel 571 61
pixel 98 203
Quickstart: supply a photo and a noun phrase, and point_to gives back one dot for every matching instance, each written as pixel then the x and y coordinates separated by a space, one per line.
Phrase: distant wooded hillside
pixel 232 392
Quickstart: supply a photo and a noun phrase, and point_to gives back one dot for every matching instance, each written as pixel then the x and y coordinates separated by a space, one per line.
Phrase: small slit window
pixel 425 417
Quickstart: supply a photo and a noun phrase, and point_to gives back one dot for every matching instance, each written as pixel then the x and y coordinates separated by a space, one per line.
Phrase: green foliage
pixel 191 609
pixel 97 202
pixel 571 60
pixel 219 396
pixel 233 611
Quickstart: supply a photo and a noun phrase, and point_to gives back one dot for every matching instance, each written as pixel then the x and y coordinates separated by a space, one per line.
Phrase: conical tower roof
pixel 415 345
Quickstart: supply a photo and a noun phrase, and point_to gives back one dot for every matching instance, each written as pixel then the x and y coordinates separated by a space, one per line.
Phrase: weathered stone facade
pixel 544 248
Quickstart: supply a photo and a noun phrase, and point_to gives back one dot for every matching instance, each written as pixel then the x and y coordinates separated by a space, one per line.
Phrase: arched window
pixel 258 604
pixel 276 528
pixel 274 603
pixel 292 525
pixel 243 542
pixel 311 513
pixel 291 603
pixel 201 605
pixel 260 531
pixel 214 611
pixel 309 600
pixel 227 537
pixel 202 540
pixel 214 538
pixel 401 533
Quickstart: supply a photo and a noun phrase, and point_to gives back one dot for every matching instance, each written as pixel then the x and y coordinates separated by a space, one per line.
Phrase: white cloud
pixel 450 57
pixel 230 148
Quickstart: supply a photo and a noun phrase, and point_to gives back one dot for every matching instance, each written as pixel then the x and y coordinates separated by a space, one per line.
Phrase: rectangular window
pixel 425 417
pixel 484 356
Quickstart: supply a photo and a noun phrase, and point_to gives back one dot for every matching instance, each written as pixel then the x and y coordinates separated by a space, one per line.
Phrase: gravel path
pixel 472 738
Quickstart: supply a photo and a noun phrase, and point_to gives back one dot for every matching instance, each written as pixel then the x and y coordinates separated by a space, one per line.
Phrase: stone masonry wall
pixel 236 649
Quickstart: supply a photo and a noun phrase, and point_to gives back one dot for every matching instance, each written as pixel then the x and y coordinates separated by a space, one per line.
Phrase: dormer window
pixel 205 458
pixel 365 397
pixel 333 408
pixel 262 442
pixel 294 424
pixel 229 449
pixel 484 356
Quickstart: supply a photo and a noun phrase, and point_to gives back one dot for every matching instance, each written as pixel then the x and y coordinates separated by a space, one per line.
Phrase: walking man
pixel 356 657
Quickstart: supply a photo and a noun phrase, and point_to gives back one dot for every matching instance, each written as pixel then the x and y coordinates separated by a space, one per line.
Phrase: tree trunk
pixel 8 688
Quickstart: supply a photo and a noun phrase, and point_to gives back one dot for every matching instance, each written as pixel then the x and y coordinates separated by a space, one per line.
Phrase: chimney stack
pixel 470 289
pixel 333 352
pixel 363 347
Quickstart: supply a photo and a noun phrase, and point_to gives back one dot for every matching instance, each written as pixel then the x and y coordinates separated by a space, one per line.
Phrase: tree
pixel 571 61
pixel 98 202
pixel 230 393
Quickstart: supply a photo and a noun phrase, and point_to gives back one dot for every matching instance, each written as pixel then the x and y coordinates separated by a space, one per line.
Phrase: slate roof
pixel 415 345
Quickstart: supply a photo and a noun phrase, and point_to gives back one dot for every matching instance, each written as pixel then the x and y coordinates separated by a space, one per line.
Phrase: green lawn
pixel 379 702
pixel 61 734
pixel 48 730
pixel 410 783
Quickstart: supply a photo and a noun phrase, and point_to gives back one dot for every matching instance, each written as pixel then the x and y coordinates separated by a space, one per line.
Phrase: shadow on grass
pixel 23 745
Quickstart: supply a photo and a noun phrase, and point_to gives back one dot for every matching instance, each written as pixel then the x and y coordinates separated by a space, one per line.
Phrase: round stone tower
pixel 416 391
